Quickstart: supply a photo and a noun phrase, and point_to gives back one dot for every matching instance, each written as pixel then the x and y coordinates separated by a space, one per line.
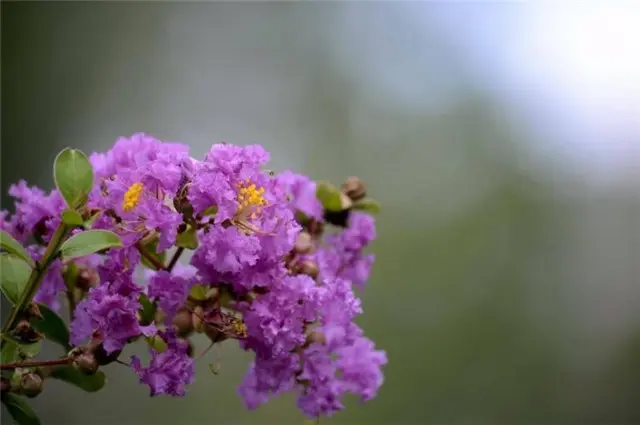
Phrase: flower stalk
pixel 35 278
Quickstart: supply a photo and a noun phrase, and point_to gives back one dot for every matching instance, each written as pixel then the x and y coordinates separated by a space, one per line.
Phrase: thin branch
pixel 35 279
pixel 152 259
pixel 36 363
pixel 175 258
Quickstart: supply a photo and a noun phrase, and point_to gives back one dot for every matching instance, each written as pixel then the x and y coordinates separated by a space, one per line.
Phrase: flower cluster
pixel 263 271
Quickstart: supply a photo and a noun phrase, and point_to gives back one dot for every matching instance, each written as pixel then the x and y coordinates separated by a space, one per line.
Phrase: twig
pixel 36 363
pixel 175 258
pixel 152 259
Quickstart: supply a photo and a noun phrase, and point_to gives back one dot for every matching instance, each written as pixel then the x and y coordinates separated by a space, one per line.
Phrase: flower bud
pixel 31 384
pixel 33 311
pixel 316 337
pixel 39 230
pixel 26 333
pixel 86 363
pixel 86 278
pixel 183 321
pixel 354 188
pixel 214 334
pixel 310 268
pixel 103 358
pixel 304 243
pixel 5 385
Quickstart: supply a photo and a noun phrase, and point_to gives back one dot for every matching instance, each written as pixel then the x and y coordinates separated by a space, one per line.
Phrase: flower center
pixel 132 196
pixel 250 196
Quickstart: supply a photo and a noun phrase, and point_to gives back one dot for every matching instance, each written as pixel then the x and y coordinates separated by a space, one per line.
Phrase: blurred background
pixel 503 140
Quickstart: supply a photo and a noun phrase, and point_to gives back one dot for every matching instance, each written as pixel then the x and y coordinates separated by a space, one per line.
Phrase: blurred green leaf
pixel 367 205
pixel 19 409
pixel 14 274
pixel 14 247
pixel 72 218
pixel 157 343
pixel 212 210
pixel 187 239
pixel 89 242
pixel 92 219
pixel 88 383
pixel 198 293
pixel 73 176
pixel 148 311
pixel 52 326
pixel 329 196
pixel 150 247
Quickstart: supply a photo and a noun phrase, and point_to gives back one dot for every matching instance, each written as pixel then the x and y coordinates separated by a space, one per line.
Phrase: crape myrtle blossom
pixel 262 271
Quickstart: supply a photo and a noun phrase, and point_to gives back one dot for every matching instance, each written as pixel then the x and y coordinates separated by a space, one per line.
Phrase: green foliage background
pixel 506 289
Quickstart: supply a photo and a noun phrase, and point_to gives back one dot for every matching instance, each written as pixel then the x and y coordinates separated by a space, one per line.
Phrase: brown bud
pixel 87 278
pixel 102 357
pixel 183 321
pixel 86 363
pixel 304 243
pixel 26 333
pixel 354 188
pixel 308 267
pixel 315 227
pixel 31 384
pixel 214 334
pixel 34 311
pixel 39 230
pixel 5 385
pixel 316 337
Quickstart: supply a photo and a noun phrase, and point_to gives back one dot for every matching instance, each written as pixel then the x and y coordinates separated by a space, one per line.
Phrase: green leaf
pixel 367 205
pixel 10 352
pixel 148 311
pixel 150 248
pixel 212 210
pixel 14 247
pixel 73 175
pixel 157 343
pixel 14 352
pixel 89 242
pixel 187 239
pixel 14 274
pixel 52 326
pixel 92 219
pixel 198 293
pixel 20 410
pixel 88 383
pixel 329 196
pixel 72 218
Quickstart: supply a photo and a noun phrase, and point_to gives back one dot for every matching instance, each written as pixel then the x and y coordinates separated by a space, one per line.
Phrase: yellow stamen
pixel 132 196
pixel 250 196
pixel 240 328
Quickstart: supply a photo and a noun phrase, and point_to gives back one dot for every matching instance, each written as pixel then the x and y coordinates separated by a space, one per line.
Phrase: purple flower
pixel 135 179
pixel 226 250
pixel 253 226
pixel 170 290
pixel 276 321
pixel 268 377
pixel 168 372
pixel 324 381
pixel 342 254
pixel 36 212
pixel 302 192
pixel 110 310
